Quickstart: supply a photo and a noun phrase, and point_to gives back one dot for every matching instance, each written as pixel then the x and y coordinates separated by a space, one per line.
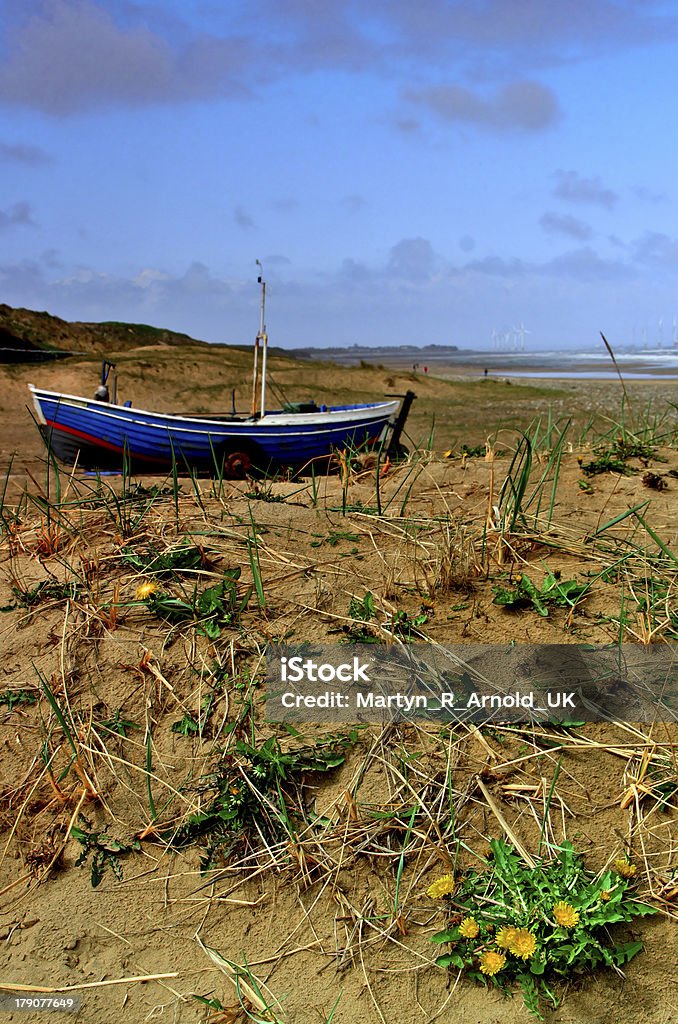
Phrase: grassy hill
pixel 31 330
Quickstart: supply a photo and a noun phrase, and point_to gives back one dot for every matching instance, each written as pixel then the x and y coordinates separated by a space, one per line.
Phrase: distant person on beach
pixel 426 369
pixel 485 372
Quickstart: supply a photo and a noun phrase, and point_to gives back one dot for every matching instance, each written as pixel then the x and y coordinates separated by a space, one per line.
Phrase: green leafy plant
pixel 530 926
pixel 612 456
pixel 264 492
pixel 256 791
pixel 524 593
pixel 190 726
pixel 118 724
pixel 103 850
pixel 334 537
pixel 161 563
pixel 361 611
pixel 606 462
pixel 662 783
pixel 46 590
pixel 14 698
pixel 186 726
pixel 474 451
pixel 407 627
pixel 212 609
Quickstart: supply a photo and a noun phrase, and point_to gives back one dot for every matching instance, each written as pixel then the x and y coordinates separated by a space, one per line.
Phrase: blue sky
pixel 408 171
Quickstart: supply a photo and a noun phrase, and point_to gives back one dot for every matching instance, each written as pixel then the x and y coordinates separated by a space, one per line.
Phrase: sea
pixel 647 364
pixel 561 364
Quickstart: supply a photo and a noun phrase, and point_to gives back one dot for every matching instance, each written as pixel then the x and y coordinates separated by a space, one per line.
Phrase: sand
pixel 313 918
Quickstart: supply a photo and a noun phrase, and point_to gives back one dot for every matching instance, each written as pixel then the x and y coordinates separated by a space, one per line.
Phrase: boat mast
pixel 255 367
pixel 264 339
pixel 255 374
pixel 261 339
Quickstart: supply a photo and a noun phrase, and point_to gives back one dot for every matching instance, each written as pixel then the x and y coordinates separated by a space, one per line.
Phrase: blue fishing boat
pixel 99 433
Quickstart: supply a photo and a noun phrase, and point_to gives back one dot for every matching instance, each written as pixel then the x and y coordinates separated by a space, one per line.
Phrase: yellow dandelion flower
pixel 504 937
pixel 469 929
pixel 605 895
pixel 144 590
pixel 491 962
pixel 442 887
pixel 565 915
pixel 523 943
pixel 624 869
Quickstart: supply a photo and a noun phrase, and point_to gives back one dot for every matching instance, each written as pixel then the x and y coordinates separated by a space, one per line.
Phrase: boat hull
pixel 98 435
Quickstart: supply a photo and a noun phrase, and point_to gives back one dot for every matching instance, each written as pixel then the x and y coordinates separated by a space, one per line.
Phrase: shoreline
pixel 534 366
pixel 535 375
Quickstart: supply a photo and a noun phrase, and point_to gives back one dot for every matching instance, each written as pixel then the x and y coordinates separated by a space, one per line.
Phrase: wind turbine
pixel 521 332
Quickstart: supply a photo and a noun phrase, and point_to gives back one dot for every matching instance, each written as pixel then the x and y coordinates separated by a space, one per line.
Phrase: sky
pixel 453 172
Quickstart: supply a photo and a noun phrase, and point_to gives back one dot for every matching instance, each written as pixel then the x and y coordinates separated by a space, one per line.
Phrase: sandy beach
pixel 161 839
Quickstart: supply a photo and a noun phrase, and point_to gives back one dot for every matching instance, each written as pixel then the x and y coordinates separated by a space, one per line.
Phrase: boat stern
pixel 395 449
